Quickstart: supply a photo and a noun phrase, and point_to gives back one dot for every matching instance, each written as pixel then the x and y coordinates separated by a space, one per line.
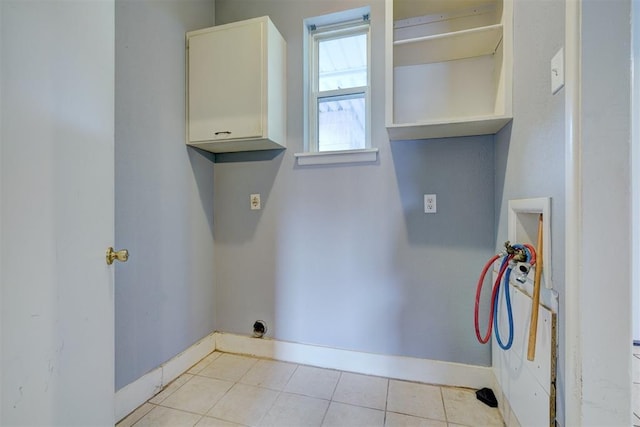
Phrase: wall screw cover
pixel 259 328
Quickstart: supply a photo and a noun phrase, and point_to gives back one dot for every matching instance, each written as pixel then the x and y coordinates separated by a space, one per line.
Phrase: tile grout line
pixel 179 410
pixel 270 407
pixel 267 388
pixel 139 419
pixel 444 407
pixel 199 419
pixel 324 417
pixel 280 392
pixel 167 386
pixel 235 382
pixel 386 402
pixel 170 408
pixel 335 387
pixel 221 397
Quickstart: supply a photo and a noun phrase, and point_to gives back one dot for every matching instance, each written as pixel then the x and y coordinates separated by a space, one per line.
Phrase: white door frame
pixel 635 166
pixel 598 255
pixel 573 228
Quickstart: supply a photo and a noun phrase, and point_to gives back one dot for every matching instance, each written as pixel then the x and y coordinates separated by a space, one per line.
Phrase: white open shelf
pixel 447 47
pixel 465 126
pixel 449 73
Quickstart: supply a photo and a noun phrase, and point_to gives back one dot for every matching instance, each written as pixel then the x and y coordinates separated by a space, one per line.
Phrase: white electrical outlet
pixel 430 203
pixel 255 202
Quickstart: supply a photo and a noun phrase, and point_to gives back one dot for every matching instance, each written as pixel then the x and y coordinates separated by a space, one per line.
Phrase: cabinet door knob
pixel 121 256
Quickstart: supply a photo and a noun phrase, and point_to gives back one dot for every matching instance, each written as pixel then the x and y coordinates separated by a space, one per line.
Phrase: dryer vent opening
pixel 259 328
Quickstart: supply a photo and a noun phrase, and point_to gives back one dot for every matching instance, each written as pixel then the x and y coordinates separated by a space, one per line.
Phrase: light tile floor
pixel 232 390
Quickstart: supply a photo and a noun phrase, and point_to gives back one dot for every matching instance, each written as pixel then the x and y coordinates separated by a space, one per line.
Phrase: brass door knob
pixel 121 256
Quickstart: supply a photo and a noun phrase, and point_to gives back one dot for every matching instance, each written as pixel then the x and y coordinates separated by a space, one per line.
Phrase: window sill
pixel 336 157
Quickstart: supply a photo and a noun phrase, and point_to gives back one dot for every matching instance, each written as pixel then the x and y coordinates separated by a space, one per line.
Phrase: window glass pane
pixel 342 62
pixel 341 123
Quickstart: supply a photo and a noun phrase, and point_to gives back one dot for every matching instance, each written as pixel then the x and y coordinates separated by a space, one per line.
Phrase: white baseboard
pixel 428 371
pixel 398 367
pixel 144 388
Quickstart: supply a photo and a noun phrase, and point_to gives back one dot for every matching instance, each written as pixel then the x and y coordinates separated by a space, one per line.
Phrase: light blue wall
pixel 343 256
pixel 340 255
pixel 164 297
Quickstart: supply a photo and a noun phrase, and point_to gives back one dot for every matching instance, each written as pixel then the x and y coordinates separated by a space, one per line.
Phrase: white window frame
pixel 338 25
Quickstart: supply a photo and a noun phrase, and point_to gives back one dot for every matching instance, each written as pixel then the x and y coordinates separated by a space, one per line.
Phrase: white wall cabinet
pixel 449 67
pixel 236 98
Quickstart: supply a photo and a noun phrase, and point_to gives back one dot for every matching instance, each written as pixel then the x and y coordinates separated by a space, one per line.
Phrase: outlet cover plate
pixel 430 203
pixel 254 200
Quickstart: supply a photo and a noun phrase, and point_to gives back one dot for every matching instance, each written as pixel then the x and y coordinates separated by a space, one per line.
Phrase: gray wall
pixel 343 256
pixel 164 295
pixel 529 154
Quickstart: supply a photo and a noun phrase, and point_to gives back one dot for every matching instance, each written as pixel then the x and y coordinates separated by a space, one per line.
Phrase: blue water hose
pixel 505 274
pixel 507 298
pixel 509 309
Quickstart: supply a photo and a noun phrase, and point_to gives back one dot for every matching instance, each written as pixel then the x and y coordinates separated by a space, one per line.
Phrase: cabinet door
pixel 226 70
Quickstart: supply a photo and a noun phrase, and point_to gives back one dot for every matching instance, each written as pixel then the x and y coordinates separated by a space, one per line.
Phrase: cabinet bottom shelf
pixel 481 125
pixel 234 146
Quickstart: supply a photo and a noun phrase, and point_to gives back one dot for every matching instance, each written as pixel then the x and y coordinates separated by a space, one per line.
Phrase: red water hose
pixel 477 306
pixel 532 251
pixel 503 268
pixel 493 295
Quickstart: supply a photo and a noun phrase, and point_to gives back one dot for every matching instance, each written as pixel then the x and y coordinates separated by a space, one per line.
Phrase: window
pixel 338 83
